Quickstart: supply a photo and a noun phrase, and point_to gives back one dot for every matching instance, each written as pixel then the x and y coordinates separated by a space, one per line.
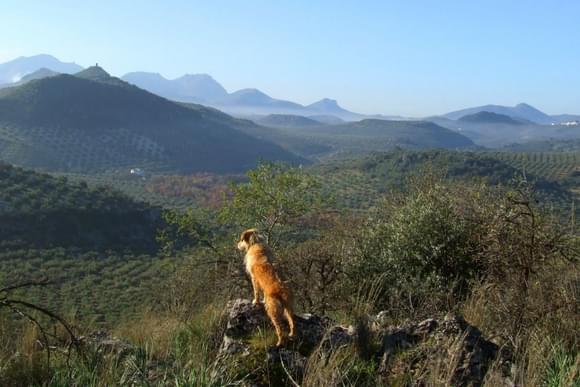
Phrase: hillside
pixel 359 182
pixel 93 122
pixel 287 121
pixel 356 138
pixel 551 145
pixel 38 74
pixel 484 117
pixel 520 111
pixel 39 211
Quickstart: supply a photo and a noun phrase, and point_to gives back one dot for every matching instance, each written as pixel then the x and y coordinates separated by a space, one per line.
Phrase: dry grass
pixel 152 331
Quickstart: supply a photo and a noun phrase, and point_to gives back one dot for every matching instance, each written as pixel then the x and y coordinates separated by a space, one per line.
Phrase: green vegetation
pixel 95 289
pixel 94 244
pixel 40 211
pixel 552 145
pixel 563 167
pixel 274 196
pixel 360 182
pixel 416 234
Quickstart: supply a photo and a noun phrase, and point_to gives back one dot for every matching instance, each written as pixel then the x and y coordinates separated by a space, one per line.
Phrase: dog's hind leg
pixel 274 311
pixel 288 315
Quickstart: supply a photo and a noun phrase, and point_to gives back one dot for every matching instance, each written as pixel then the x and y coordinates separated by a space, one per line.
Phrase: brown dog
pixel 277 297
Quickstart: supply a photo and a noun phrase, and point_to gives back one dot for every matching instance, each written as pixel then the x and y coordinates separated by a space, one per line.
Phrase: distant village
pixel 568 123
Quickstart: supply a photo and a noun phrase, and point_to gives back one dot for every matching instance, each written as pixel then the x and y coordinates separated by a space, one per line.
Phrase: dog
pixel 277 297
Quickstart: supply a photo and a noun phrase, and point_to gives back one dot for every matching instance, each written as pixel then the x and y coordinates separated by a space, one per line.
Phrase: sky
pixel 410 58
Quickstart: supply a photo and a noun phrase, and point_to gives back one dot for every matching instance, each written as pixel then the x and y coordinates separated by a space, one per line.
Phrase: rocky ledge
pixel 447 350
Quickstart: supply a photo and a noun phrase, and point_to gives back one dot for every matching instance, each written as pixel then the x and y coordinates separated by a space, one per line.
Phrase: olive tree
pixel 274 195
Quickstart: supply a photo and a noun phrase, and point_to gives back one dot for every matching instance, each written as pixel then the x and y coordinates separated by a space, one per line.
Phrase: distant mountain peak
pixel 326 102
pixel 94 73
pixel 196 77
pixel 15 70
pixel 525 105
pixel 145 74
pixel 327 105
pixel 249 91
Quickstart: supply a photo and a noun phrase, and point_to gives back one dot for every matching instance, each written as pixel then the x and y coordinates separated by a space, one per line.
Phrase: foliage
pixel 419 244
pixel 274 196
pixel 40 211
pixel 438 245
pixel 95 289
pixel 205 190
pixel 360 182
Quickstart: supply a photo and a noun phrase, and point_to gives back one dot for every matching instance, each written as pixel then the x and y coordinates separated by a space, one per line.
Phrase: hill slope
pixel 355 138
pixel 359 182
pixel 40 211
pixel 93 122
pixel 287 121
pixel 490 118
pixel 520 111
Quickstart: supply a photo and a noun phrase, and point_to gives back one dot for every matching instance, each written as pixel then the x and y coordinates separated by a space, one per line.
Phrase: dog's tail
pixel 287 302
pixel 286 297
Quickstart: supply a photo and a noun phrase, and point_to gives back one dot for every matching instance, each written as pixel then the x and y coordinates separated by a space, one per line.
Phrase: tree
pixel 275 195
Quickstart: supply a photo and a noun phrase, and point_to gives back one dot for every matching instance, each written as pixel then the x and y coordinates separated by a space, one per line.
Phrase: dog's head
pixel 249 238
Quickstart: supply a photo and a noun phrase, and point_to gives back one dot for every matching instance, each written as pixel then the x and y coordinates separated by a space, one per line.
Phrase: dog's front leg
pixel 256 287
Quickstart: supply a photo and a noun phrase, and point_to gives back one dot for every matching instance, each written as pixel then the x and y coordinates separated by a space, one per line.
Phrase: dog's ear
pixel 246 235
pixel 254 238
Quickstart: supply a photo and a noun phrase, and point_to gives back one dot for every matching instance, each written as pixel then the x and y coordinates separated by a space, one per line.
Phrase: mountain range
pixel 203 89
pixel 191 88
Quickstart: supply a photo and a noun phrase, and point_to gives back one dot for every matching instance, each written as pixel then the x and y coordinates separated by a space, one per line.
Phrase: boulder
pixel 465 353
pixel 245 319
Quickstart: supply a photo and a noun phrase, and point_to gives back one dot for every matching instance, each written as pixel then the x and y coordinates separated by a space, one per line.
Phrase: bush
pixel 422 244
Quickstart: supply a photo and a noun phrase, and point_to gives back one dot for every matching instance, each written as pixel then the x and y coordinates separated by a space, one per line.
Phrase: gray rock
pixel 337 337
pixel 450 339
pixel 244 319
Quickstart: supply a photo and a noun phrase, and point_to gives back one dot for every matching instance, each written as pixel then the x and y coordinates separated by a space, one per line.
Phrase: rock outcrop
pixel 444 350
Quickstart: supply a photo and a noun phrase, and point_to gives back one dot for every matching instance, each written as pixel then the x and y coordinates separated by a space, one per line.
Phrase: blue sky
pixel 415 57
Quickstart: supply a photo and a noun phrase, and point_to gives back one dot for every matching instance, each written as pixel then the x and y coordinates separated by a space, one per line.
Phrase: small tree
pixel 275 195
